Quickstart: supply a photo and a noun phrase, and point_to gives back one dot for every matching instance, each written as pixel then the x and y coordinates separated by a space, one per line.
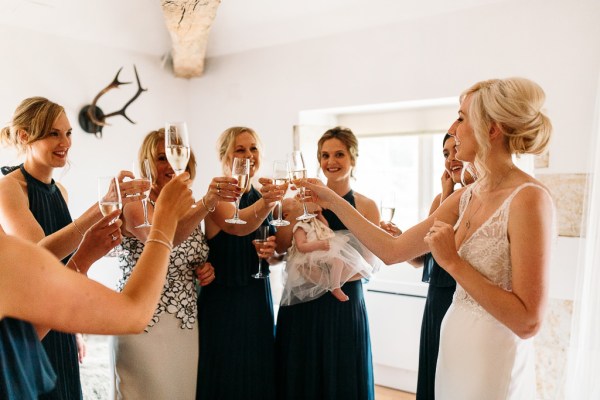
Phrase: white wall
pixel 71 73
pixel 554 42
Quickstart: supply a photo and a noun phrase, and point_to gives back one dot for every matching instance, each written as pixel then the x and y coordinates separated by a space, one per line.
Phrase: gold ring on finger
pixel 218 186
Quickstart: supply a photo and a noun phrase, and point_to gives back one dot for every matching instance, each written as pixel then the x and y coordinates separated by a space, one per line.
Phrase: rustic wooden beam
pixel 188 23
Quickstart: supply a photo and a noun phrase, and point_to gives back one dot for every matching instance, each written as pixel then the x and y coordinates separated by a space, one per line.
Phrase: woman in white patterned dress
pixel 494 238
pixel 161 363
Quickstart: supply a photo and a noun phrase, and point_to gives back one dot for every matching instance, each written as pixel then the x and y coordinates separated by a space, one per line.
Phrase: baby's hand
pixel 325 245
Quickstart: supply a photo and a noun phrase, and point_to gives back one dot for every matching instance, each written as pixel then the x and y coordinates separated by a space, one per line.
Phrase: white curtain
pixel 584 355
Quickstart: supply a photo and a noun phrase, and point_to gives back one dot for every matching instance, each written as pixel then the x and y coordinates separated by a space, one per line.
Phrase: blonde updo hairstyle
pixel 344 135
pixel 149 150
pixel 35 116
pixel 226 143
pixel 515 105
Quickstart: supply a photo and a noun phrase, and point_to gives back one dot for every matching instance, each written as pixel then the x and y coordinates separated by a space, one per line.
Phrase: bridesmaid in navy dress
pixel 33 206
pixel 323 348
pixel 236 358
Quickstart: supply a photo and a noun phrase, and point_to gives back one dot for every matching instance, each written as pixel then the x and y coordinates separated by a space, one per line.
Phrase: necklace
pixel 473 213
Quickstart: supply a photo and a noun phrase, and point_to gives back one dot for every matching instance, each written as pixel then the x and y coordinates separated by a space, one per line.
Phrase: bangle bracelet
pixel 205 206
pixel 78 230
pixel 75 265
pixel 167 245
pixel 163 235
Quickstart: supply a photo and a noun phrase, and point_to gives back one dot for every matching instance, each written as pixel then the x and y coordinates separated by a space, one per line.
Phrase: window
pixel 409 166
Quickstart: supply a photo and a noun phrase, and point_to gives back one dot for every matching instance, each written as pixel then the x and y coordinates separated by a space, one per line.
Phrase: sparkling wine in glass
pixel 388 207
pixel 240 170
pixel 109 200
pixel 297 172
pixel 261 237
pixel 144 172
pixel 177 145
pixel 281 177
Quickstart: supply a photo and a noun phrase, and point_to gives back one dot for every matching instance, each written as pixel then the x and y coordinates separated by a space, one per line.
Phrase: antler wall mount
pixel 92 119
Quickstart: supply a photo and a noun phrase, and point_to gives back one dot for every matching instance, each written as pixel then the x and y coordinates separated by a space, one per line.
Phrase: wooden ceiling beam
pixel 188 23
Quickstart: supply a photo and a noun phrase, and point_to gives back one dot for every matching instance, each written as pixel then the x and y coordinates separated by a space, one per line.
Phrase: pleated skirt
pixel 236 342
pixel 438 301
pixel 323 349
pixel 61 349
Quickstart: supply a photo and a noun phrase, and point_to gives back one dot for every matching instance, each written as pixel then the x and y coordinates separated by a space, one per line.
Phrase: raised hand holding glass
pixel 144 172
pixel 281 177
pixel 240 170
pixel 261 237
pixel 297 172
pixel 109 200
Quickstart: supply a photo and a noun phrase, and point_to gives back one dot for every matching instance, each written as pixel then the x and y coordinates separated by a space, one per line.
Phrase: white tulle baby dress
pixel 307 276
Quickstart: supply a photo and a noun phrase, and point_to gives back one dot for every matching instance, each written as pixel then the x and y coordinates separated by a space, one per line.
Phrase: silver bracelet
pixel 167 245
pixel 205 206
pixel 75 264
pixel 78 230
pixel 163 235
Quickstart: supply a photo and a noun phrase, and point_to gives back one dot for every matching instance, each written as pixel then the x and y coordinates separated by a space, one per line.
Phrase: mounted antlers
pixel 91 117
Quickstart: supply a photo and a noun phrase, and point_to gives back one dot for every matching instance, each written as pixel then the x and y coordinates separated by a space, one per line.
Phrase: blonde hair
pixel 226 142
pixel 35 116
pixel 344 135
pixel 515 106
pixel 149 150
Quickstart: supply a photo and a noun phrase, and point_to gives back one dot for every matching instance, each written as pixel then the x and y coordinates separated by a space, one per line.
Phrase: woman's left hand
pixel 265 249
pixel 132 189
pixel 205 273
pixel 390 228
pixel 442 245
pixel 270 192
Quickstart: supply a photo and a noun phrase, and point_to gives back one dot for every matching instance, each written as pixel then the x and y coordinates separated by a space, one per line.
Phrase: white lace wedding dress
pixel 479 357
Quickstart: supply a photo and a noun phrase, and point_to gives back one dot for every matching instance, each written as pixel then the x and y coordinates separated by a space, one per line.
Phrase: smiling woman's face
pixel 336 162
pixel 245 146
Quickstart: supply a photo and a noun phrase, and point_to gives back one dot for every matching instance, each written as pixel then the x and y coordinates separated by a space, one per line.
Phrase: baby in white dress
pixel 321 260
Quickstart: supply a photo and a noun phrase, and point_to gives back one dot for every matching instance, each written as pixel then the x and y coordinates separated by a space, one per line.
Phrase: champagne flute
pixel 388 207
pixel 261 237
pixel 281 176
pixel 177 146
pixel 240 170
pixel 298 171
pixel 109 200
pixel 144 172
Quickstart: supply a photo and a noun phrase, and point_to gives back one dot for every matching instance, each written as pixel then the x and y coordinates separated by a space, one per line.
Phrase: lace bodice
pixel 487 249
pixel 179 293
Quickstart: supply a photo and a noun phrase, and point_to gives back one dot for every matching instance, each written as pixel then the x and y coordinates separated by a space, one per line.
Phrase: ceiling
pixel 240 25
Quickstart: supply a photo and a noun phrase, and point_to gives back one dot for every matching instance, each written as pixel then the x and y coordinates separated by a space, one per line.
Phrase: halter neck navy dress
pixel 235 315
pixel 439 297
pixel 25 371
pixel 322 347
pixel 50 210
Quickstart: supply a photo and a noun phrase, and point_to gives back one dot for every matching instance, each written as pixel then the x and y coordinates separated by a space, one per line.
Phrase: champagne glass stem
pixel 259 266
pixel 280 210
pixel 237 208
pixel 145 208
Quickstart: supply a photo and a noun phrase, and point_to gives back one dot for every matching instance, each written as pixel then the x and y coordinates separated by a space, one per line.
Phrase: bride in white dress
pixel 494 237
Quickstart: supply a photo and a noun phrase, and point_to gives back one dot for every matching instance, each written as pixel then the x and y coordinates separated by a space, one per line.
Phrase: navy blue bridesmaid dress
pixel 50 210
pixel 236 359
pixel 322 347
pixel 25 372
pixel 439 297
